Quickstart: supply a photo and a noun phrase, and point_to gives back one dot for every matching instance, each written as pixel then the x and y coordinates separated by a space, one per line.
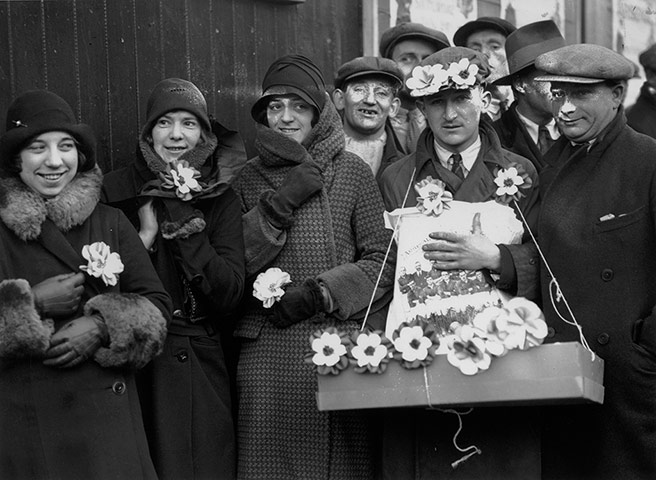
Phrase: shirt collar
pixel 468 155
pixel 532 127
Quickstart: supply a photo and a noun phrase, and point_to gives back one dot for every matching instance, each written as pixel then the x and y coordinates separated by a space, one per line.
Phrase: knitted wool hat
pixel 175 94
pixel 291 74
pixel 39 111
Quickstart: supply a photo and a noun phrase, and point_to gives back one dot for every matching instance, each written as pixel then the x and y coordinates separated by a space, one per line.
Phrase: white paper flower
pixel 426 80
pixel 328 349
pixel 433 197
pixel 467 351
pixel 268 286
pixel 182 177
pixel 508 181
pixel 369 350
pixel 102 262
pixel 463 74
pixel 412 344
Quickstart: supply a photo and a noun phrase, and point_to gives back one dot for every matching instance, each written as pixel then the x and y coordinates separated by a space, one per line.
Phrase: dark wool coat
pixel 392 151
pixel 641 116
pixel 514 137
pixel 338 237
pixel 186 391
pixel 419 443
pixel 607 272
pixel 85 421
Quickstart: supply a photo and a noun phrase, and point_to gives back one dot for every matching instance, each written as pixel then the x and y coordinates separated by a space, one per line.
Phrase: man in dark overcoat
pixel 527 127
pixel 597 230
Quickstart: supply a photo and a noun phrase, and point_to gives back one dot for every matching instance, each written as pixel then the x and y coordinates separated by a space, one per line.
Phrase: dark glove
pixel 299 185
pixel 181 219
pixel 298 303
pixel 59 296
pixel 76 341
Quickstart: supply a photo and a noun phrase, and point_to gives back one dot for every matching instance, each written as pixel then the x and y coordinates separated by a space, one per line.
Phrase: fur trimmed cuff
pixel 278 219
pixel 183 228
pixel 22 333
pixel 136 327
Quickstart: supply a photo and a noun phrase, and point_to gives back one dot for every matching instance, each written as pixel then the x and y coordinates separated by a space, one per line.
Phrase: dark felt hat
pixel 583 63
pixel 369 67
pixel 648 58
pixel 408 30
pixel 292 74
pixel 483 23
pixel 526 43
pixel 39 111
pixel 173 94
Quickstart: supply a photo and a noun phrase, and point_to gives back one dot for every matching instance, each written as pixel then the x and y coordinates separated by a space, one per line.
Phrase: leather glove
pixel 59 296
pixel 76 341
pixel 299 185
pixel 298 304
pixel 182 219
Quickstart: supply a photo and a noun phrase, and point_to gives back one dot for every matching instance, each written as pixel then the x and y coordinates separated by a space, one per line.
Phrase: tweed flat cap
pixel 369 66
pixel 526 43
pixel 583 63
pixel 648 58
pixel 408 30
pixel 484 23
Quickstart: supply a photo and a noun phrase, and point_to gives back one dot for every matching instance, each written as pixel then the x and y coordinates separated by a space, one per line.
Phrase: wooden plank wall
pixel 104 56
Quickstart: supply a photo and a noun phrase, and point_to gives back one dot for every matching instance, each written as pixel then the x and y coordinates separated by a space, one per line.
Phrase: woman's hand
pixel 59 296
pixel 148 226
pixel 76 341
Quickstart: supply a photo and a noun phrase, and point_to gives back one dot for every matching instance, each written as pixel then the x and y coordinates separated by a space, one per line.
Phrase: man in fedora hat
pixel 642 115
pixel 597 230
pixel 367 95
pixel 528 127
pixel 488 36
pixel 407 44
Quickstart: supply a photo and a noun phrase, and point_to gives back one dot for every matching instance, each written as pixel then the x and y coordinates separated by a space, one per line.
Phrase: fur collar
pixel 24 211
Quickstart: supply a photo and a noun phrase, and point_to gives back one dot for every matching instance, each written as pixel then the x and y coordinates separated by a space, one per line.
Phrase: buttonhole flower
pixel 433 197
pixel 510 182
pixel 329 349
pixel 181 177
pixel 102 262
pixel 415 344
pixel 370 352
pixel 268 286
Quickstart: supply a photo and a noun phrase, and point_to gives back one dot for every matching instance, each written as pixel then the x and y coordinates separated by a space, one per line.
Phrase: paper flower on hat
pixel 329 351
pixel 268 286
pixel 510 182
pixel 370 352
pixel 181 177
pixel 102 262
pixel 430 79
pixel 468 351
pixel 433 198
pixel 415 344
pixel 517 325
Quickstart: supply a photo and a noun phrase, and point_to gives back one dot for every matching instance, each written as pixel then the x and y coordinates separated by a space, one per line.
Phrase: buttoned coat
pixel 597 229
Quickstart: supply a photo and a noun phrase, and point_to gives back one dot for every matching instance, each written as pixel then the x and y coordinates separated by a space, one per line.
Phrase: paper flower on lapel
pixel 181 177
pixel 102 262
pixel 510 182
pixel 433 197
pixel 329 351
pixel 370 352
pixel 268 286
pixel 415 344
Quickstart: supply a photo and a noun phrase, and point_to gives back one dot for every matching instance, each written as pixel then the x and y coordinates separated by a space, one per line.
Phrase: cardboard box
pixel 556 373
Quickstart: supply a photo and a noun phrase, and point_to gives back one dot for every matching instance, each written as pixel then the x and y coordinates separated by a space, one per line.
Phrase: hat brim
pixel 423 36
pixel 568 79
pixel 275 91
pixel 371 73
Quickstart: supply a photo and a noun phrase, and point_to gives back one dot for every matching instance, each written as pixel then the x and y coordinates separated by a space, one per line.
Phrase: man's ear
pixel 338 99
pixel 618 91
pixel 486 99
pixel 396 104
pixel 519 85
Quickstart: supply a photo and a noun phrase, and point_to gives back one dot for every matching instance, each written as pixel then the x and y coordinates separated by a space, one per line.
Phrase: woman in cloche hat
pixel 81 307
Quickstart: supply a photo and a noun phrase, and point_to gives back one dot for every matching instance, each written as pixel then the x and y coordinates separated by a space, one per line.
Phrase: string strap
pixel 472 449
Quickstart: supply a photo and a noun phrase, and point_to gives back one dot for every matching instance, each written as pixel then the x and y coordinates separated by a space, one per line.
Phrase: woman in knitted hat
pixel 81 307
pixel 314 211
pixel 178 195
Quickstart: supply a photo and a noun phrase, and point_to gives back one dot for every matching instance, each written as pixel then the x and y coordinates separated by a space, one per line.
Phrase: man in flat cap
pixel 366 95
pixel 597 230
pixel 528 127
pixel 642 115
pixel 488 36
pixel 463 152
pixel 408 44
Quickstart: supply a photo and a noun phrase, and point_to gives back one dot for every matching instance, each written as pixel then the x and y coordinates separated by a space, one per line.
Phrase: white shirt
pixel 532 128
pixel 468 156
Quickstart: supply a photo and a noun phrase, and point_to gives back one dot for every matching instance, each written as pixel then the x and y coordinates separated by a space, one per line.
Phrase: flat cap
pixel 648 58
pixel 583 63
pixel 408 30
pixel 483 23
pixel 369 66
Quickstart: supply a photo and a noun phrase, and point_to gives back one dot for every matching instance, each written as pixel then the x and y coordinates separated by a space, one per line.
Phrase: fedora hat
pixel 526 44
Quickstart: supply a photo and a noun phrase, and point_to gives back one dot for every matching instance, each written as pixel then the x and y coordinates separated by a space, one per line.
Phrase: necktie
pixel 544 139
pixel 456 166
